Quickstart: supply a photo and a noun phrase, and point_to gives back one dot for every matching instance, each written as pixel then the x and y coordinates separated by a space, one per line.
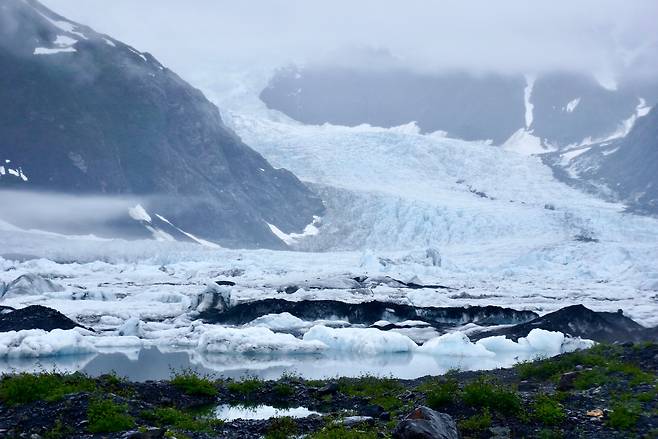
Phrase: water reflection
pixel 232 412
pixel 156 364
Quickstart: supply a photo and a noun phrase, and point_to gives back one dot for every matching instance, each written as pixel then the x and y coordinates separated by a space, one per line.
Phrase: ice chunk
pixel 132 326
pixel 214 296
pixel 255 340
pixel 369 341
pixel 30 284
pixel 279 322
pixel 455 344
pixel 39 343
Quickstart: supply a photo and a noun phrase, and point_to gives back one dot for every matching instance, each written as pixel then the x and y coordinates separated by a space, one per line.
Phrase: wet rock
pixel 35 317
pixel 29 284
pixel 425 423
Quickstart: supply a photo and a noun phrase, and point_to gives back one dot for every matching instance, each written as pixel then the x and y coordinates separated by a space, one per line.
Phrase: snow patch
pixel 138 213
pixel 525 143
pixel 571 106
pixel 292 238
pixel 527 95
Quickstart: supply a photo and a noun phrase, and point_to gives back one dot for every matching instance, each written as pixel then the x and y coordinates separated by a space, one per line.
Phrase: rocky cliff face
pixel 81 112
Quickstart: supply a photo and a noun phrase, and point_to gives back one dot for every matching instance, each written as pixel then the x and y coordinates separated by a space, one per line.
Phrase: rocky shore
pixel 607 391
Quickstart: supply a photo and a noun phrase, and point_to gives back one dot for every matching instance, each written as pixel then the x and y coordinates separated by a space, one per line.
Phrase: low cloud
pixel 609 38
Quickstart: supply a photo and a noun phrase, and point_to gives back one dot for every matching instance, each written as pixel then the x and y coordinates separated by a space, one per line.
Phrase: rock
pixel 566 381
pixel 148 433
pixel 35 317
pixel 527 386
pixel 372 410
pixel 351 421
pixel 500 432
pixel 29 284
pixel 596 413
pixel 329 389
pixel 579 321
pixel 385 416
pixel 425 423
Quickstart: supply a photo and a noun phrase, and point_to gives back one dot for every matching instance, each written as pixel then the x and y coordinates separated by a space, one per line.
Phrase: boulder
pixel 425 423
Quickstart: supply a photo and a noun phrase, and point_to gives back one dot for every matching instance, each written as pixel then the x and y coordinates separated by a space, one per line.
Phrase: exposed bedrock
pixel 579 321
pixel 366 313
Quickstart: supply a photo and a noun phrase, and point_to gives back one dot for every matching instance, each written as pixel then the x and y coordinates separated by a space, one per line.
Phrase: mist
pixel 611 39
pixel 63 213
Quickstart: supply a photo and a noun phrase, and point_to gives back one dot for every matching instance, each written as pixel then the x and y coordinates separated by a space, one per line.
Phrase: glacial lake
pixel 154 364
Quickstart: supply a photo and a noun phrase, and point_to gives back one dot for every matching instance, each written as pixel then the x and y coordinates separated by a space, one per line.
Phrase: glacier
pixel 492 225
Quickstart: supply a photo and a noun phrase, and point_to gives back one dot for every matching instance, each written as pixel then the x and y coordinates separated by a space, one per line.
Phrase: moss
pixel 107 416
pixel 194 384
pixel 483 393
pixel 281 428
pixel 24 388
pixel 548 410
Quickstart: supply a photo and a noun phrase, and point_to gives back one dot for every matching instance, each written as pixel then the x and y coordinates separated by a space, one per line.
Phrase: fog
pixel 609 38
pixel 76 214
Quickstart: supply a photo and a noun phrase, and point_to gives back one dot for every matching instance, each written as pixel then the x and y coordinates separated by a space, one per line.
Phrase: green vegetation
pixel 483 393
pixel 383 392
pixel 107 416
pixel 283 390
pixel 476 423
pixel 246 387
pixel 281 428
pixel 24 388
pixel 59 431
pixel 193 384
pixel 440 393
pixel 624 415
pixel 548 410
pixel 341 432
pixel 181 420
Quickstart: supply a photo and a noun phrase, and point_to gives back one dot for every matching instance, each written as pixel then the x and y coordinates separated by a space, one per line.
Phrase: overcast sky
pixel 605 37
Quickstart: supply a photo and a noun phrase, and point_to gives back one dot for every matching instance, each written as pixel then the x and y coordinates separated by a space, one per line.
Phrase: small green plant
pixel 107 416
pixel 193 384
pixel 442 393
pixel 181 420
pixel 283 390
pixel 246 387
pixel 341 432
pixel 59 431
pixel 477 423
pixel 592 378
pixel 281 428
pixel 624 415
pixel 549 434
pixel 381 391
pixel 548 411
pixel 24 388
pixel 487 394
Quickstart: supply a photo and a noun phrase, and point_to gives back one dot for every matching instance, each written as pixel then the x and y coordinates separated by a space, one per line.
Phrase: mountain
pixel 83 113
pixel 627 166
pixel 558 109
pixel 465 106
